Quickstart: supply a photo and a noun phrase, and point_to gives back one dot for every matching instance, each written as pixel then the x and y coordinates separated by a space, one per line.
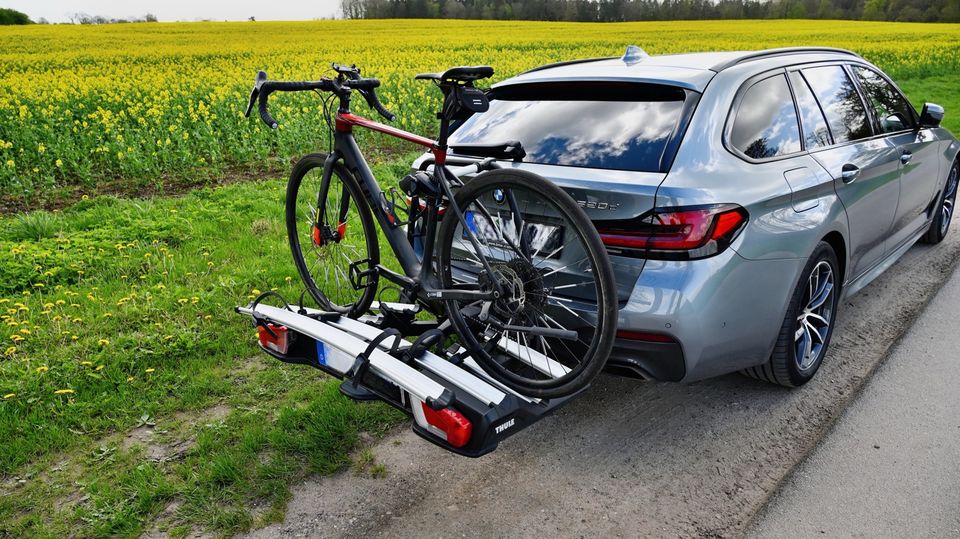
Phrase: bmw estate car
pixel 740 195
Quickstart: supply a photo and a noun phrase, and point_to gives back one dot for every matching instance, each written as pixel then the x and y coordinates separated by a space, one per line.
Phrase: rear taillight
pixel 279 341
pixel 449 424
pixel 675 233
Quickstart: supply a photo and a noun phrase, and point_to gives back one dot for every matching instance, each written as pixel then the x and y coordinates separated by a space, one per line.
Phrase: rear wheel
pixel 941 220
pixel 551 330
pixel 808 325
pixel 332 236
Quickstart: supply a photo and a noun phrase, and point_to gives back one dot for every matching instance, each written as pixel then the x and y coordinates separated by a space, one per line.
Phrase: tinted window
pixel 609 126
pixel 815 131
pixel 840 102
pixel 766 122
pixel 891 109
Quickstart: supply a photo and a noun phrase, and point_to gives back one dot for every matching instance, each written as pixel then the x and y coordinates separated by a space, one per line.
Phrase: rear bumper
pixel 723 312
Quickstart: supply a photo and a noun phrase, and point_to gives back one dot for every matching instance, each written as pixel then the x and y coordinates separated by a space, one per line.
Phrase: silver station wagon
pixel 741 195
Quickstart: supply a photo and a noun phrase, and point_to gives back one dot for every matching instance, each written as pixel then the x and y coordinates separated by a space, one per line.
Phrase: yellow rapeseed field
pixel 147 101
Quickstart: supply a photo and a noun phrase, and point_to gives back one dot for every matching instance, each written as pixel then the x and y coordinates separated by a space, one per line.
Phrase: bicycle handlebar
pixel 348 79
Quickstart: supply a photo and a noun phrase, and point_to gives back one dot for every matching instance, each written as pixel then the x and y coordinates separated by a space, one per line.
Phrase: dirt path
pixel 628 458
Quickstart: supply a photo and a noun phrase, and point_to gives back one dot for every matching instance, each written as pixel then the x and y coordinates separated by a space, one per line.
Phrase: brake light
pixel 278 342
pixel 677 233
pixel 449 423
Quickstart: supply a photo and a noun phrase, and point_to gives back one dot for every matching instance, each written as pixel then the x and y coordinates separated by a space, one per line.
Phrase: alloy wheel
pixel 813 322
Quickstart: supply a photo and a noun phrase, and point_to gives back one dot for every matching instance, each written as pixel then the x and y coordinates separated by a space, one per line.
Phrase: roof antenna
pixel 634 55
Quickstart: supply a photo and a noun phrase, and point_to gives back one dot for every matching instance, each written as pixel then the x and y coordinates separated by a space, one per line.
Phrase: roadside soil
pixel 628 458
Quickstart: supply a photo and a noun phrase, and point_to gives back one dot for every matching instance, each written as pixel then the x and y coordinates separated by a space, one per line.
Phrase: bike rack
pixel 453 402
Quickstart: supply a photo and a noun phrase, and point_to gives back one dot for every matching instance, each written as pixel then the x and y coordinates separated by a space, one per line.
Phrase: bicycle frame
pixel 420 276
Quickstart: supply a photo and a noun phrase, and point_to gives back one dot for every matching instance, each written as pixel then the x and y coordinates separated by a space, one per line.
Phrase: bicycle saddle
pixel 459 74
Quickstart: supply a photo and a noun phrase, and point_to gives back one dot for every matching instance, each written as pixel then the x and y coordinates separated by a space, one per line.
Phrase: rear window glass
pixel 840 101
pixel 598 125
pixel 766 124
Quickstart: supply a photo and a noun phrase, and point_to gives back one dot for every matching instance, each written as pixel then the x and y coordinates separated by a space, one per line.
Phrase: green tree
pixel 12 16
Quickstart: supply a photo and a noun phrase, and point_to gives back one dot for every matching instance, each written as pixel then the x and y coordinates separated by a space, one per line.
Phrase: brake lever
pixel 258 82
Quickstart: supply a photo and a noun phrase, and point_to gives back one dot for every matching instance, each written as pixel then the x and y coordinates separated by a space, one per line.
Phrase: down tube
pixel 396 237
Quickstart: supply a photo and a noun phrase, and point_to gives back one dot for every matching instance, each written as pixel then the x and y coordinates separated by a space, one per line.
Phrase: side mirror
pixel 931 116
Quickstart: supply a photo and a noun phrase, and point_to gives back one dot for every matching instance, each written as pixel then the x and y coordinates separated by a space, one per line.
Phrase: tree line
pixel 655 10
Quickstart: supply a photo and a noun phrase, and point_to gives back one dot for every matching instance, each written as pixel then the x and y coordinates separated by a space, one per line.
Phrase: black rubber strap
pixel 362 364
pixel 424 342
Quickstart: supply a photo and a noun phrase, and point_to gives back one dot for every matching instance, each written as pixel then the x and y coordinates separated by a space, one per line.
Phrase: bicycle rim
pixel 333 239
pixel 551 330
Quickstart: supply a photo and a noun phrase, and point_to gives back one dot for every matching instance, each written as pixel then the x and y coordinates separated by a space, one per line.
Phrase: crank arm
pixel 459 295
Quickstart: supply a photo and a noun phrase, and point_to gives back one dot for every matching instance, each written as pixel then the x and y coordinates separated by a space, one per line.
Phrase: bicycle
pixel 515 266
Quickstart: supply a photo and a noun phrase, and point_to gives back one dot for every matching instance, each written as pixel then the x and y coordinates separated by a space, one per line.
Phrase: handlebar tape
pixel 264 114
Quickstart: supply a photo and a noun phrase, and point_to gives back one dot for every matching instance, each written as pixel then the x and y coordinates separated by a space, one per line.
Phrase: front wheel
pixel 332 236
pixel 550 331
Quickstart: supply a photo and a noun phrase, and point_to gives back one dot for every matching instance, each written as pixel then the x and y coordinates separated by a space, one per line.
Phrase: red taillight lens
pixel 694 232
pixel 279 341
pixel 451 422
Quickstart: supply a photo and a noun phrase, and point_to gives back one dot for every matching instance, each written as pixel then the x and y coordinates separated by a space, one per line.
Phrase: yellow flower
pixel 60 302
pixel 103 342
pixel 84 197
pixel 149 370
pixel 99 368
pixel 43 369
pixel 9 396
pixel 10 351
pixel 59 163
pixel 63 392
pixel 129 378
pixel 86 363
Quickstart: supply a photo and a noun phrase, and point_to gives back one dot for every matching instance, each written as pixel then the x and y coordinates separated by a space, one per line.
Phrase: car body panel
pixel 725 311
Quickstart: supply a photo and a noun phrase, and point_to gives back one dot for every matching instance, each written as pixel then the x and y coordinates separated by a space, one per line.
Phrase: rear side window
pixel 618 126
pixel 840 101
pixel 766 122
pixel 816 134
pixel 891 109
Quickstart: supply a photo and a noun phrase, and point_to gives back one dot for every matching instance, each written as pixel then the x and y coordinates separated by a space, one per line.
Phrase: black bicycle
pixel 508 257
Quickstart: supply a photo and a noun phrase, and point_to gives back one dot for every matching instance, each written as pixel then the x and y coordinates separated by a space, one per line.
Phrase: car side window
pixel 891 109
pixel 840 101
pixel 816 134
pixel 766 123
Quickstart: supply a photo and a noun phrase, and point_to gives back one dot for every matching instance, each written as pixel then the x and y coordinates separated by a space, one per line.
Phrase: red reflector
pixel 280 343
pixel 456 425
pixel 342 230
pixel 317 238
pixel 643 336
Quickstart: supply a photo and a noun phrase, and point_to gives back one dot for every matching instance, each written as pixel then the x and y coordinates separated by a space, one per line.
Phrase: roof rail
pixel 569 62
pixel 758 55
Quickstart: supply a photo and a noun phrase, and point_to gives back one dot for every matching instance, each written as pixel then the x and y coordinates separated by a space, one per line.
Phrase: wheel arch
pixel 839 246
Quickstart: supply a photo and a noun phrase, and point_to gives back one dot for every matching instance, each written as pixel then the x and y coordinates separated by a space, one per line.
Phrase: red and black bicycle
pixel 507 261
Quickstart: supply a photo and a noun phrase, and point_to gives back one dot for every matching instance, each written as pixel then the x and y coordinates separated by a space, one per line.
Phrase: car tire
pixel 803 333
pixel 940 224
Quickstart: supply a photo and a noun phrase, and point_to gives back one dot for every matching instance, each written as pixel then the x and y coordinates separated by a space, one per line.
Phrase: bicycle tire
pixel 327 300
pixel 603 334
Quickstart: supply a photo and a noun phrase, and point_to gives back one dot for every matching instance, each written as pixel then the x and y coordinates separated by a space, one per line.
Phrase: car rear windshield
pixel 620 126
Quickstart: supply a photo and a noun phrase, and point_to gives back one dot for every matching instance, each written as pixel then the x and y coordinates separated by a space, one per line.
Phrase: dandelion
pixel 149 370
pixel 129 378
pixel 59 163
pixel 63 392
pixel 103 342
pixel 43 369
pixel 99 368
pixel 84 197
pixel 9 396
pixel 108 315
pixel 86 363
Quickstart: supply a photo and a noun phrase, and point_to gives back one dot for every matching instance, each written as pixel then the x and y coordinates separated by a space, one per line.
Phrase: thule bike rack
pixel 452 401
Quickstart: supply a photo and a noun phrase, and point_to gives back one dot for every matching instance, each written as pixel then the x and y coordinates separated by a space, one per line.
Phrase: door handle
pixel 849 173
pixel 905 157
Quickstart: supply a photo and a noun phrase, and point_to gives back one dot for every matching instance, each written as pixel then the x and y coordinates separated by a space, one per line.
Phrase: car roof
pixel 691 70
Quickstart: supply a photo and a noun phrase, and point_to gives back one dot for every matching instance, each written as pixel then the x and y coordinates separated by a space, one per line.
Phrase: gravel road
pixel 628 458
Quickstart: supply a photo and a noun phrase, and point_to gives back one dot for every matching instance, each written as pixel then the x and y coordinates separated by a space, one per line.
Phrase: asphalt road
pixel 891 465
pixel 629 458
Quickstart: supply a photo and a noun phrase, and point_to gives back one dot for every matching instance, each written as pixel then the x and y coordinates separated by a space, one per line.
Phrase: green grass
pixel 127 307
pixel 119 313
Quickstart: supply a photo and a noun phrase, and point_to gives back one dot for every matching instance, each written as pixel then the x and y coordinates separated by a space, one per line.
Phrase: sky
pixel 178 10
